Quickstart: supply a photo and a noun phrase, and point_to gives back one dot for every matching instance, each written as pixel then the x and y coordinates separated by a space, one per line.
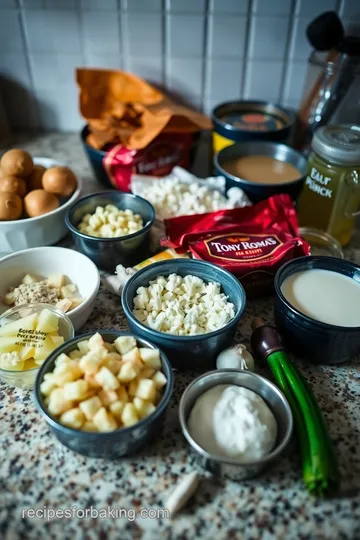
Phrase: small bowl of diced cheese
pixel 29 333
pixel 111 228
pixel 189 308
pixel 105 395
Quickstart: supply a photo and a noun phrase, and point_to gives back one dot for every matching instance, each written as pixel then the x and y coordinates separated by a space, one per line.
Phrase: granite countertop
pixel 37 471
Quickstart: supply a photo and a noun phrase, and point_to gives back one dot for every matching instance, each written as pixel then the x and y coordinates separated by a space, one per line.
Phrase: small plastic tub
pixel 26 378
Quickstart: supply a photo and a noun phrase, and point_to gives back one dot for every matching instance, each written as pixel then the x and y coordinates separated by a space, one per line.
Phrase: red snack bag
pixel 251 242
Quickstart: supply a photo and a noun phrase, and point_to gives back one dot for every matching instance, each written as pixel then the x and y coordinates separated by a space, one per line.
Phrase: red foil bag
pixel 251 242
pixel 156 159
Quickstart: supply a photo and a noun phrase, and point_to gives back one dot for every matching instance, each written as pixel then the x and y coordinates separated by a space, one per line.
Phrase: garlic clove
pixel 182 492
pixel 237 357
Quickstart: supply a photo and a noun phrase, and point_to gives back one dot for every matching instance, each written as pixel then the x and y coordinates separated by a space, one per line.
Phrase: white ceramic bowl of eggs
pixel 44 261
pixel 21 232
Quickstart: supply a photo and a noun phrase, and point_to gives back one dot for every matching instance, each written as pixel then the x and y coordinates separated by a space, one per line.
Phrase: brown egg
pixel 35 179
pixel 39 202
pixel 17 163
pixel 11 206
pixel 59 180
pixel 13 184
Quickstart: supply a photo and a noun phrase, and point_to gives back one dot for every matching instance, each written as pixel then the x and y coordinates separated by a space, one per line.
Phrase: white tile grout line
pixel 283 95
pixel 123 36
pixel 205 63
pixel 27 57
pixel 246 60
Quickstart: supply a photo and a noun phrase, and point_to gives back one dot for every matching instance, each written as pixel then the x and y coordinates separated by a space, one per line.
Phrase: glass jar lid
pixel 321 243
pixel 339 144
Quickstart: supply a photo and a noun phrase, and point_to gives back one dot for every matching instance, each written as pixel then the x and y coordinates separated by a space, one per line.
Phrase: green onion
pixel 320 470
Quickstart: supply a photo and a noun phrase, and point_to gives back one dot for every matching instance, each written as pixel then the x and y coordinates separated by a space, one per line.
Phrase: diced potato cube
pixel 93 383
pixel 124 344
pixel 90 363
pixel 109 346
pixel 107 396
pixel 58 403
pixel 75 355
pixel 146 390
pixel 150 357
pixel 47 321
pixel 132 356
pixel 28 279
pixel 147 373
pixel 133 387
pixel 74 418
pixel 75 390
pixel 64 304
pixel 127 372
pixel 96 342
pixel 90 407
pixel 70 370
pixel 43 351
pixel 83 346
pixel 107 379
pixel 62 359
pixel 104 421
pixel 116 408
pixel 57 340
pixel 67 291
pixel 48 385
pixel 129 415
pixel 89 426
pixel 56 280
pixel 143 407
pixel 159 379
pixel 122 394
pixel 75 302
pixel 25 323
pixel 113 362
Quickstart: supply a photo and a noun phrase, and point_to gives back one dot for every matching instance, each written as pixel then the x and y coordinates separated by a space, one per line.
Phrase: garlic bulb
pixel 237 357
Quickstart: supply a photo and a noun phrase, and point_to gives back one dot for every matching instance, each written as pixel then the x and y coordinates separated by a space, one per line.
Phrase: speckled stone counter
pixel 36 471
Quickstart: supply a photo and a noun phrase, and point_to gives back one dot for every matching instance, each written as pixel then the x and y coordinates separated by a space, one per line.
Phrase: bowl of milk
pixel 317 308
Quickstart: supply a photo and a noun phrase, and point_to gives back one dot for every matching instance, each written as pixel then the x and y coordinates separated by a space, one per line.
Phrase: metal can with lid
pixel 238 121
pixel 330 198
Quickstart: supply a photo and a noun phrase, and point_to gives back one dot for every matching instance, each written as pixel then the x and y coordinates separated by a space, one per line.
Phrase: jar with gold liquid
pixel 330 198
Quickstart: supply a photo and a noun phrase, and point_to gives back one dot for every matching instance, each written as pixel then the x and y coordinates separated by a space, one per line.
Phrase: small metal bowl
pixel 255 190
pixel 113 444
pixel 198 351
pixel 108 252
pixel 231 468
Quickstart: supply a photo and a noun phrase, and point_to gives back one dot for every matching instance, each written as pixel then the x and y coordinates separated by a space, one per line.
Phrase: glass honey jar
pixel 330 198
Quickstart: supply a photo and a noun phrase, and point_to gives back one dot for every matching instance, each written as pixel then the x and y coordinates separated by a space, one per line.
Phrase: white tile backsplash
pixel 53 31
pixel 186 35
pixel 11 39
pixel 274 34
pixel 204 51
pixel 101 33
pixel 227 35
pixel 144 34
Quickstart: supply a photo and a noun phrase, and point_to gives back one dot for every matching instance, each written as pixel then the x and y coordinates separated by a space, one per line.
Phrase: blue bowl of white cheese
pixel 188 308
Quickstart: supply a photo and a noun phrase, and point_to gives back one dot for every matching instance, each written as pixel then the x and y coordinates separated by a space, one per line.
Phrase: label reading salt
pixel 319 183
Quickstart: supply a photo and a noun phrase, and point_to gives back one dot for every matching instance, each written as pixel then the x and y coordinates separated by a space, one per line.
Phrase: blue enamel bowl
pixel 316 341
pixel 112 444
pixel 187 352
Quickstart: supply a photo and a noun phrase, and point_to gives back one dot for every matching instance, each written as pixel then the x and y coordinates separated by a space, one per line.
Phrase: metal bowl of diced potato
pixel 105 395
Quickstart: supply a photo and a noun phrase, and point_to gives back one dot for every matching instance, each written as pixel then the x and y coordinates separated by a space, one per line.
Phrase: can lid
pixel 321 242
pixel 338 143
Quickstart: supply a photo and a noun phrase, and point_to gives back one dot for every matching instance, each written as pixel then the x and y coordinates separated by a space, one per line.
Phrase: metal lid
pixel 339 144
pixel 321 242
